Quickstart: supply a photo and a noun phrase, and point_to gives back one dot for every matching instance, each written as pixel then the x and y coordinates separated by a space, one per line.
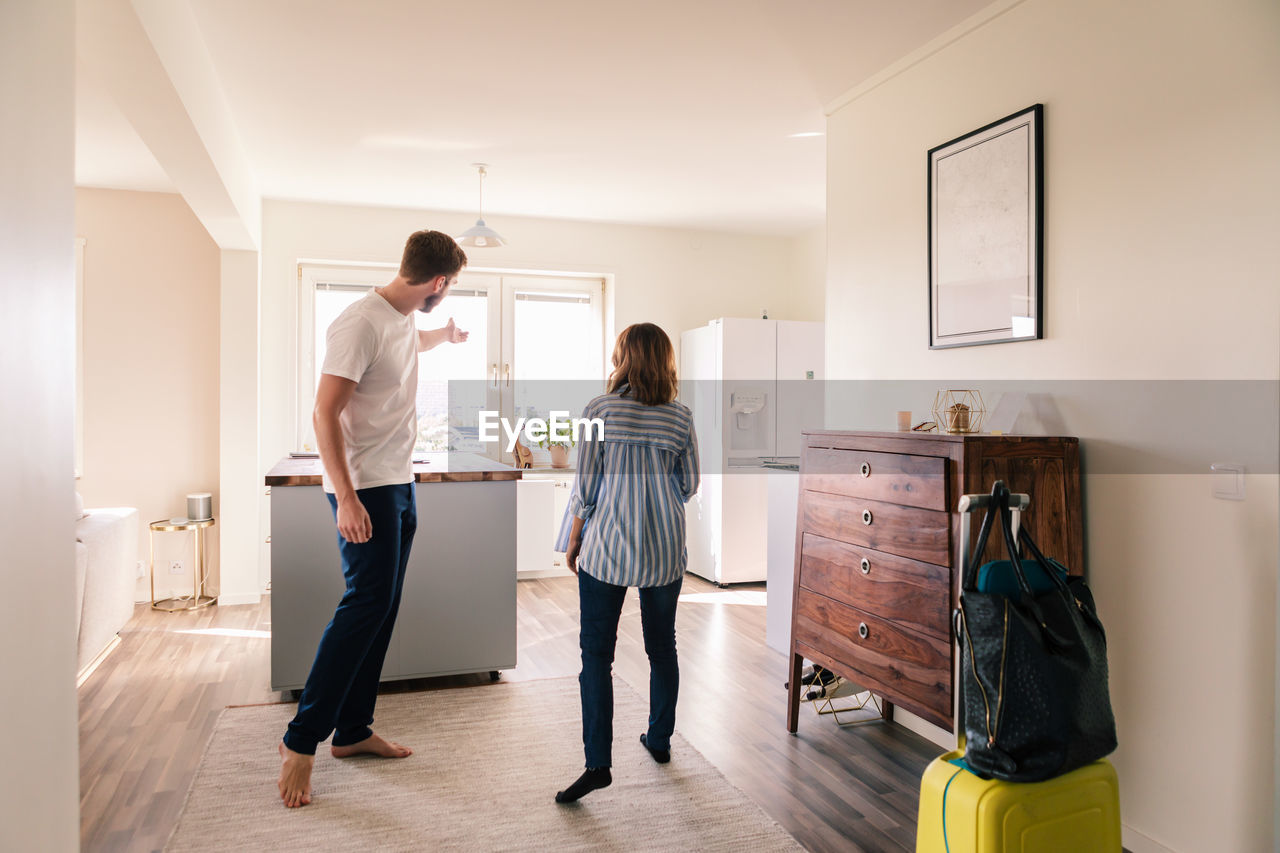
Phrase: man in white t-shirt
pixel 366 424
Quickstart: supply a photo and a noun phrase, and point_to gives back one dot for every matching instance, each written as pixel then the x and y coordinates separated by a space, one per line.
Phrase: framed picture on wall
pixel 986 224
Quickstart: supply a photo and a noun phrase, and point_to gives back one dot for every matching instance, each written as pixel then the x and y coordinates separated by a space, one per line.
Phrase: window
pixel 552 341
pixel 522 328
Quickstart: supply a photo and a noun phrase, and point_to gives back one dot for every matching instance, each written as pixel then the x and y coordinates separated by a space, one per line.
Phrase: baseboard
pixel 230 600
pixel 1135 842
pixel 543 573
pixel 927 730
pixel 83 675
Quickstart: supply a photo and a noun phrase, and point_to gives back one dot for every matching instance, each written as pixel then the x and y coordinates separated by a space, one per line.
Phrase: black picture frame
pixel 986 234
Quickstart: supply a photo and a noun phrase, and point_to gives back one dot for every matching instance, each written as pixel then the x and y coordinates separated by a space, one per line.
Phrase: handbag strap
pixel 1028 601
pixel 1024 538
pixel 1006 522
pixel 999 497
pixel 1051 568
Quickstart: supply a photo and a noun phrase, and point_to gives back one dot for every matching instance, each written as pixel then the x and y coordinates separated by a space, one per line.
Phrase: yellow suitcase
pixel 963 813
pixel 960 812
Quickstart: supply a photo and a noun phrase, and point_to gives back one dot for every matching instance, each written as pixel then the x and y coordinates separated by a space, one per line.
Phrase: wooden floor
pixel 148 712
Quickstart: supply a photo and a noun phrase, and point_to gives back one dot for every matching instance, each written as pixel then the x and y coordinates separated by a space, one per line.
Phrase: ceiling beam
pixel 151 58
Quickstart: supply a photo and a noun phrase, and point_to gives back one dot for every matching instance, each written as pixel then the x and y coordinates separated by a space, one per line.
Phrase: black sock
pixel 662 756
pixel 590 780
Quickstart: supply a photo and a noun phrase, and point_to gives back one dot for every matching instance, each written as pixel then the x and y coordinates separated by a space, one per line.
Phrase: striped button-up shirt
pixel 631 489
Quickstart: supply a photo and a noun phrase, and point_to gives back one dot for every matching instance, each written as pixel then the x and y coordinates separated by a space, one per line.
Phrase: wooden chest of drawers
pixel 877 551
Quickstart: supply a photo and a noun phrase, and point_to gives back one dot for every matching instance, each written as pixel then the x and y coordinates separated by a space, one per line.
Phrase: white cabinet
pixel 542 496
pixel 563 487
pixel 784 499
pixel 534 509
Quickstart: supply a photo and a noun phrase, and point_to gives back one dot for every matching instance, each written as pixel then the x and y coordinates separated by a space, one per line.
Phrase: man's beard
pixel 431 302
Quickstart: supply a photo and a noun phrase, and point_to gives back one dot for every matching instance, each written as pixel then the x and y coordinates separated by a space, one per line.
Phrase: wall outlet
pixel 175 567
pixel 1228 481
pixel 140 571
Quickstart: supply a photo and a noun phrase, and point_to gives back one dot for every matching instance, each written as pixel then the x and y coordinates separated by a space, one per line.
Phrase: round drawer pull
pixel 866 469
pixel 866 566
pixel 863 630
pixel 866 516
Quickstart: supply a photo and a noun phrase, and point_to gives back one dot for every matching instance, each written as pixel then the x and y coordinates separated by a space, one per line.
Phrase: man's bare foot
pixel 295 777
pixel 372 745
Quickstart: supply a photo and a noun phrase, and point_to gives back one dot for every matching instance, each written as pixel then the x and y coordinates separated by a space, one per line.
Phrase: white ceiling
pixel 658 113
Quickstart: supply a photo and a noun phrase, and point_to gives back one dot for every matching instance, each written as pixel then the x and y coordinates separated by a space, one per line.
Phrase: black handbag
pixel 1034 696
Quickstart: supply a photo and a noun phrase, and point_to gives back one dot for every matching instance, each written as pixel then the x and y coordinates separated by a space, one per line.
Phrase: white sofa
pixel 106 567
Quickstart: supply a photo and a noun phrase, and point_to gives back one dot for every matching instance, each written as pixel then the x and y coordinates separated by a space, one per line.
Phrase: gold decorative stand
pixel 853 698
pixel 197 599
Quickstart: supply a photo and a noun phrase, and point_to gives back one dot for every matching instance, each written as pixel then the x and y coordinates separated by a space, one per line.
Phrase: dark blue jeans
pixel 343 685
pixel 600 604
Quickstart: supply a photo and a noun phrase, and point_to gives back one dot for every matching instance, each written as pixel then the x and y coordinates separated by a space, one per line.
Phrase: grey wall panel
pixel 458 609
pixel 458 613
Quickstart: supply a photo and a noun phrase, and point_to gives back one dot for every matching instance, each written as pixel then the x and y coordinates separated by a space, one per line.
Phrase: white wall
pixel 39 787
pixel 1162 121
pixel 676 278
pixel 239 482
pixel 810 252
pixel 151 377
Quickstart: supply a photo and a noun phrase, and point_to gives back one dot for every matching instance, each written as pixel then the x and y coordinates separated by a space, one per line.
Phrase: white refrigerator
pixel 752 386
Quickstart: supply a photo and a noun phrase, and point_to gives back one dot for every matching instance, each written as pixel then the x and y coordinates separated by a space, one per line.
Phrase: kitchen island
pixel 458 609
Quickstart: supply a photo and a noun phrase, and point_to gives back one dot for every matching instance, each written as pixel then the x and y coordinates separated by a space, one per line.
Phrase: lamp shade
pixel 480 236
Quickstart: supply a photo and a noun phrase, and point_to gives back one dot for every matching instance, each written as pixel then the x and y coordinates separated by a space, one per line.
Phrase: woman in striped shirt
pixel 625 527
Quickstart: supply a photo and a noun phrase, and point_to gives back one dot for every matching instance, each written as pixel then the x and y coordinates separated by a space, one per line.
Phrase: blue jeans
pixel 600 604
pixel 343 685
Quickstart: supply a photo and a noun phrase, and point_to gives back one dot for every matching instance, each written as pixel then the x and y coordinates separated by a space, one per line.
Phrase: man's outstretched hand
pixel 453 334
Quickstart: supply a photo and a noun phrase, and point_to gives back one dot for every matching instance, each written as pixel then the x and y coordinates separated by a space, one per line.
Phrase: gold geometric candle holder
pixel 959 411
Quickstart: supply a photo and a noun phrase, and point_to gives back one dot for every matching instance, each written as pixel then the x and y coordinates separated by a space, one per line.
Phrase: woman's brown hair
pixel 645 361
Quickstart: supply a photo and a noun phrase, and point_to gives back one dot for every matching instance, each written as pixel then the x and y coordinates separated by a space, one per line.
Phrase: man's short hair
pixel 428 254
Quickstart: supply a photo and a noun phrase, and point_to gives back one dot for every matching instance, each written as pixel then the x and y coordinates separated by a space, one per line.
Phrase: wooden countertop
pixel 439 468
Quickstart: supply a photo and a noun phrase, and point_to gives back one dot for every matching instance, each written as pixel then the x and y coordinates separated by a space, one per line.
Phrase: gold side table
pixel 197 599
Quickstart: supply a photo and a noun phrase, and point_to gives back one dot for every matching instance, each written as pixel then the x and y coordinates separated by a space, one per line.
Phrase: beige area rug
pixel 487 763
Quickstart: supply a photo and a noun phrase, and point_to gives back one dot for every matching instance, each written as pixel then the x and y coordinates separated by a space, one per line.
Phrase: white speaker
pixel 200 506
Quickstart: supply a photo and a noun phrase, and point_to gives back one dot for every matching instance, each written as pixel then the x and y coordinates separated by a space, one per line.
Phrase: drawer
pixel 911 593
pixel 898 478
pixel 908 668
pixel 920 534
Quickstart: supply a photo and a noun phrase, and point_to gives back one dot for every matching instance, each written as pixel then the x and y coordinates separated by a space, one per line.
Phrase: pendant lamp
pixel 480 236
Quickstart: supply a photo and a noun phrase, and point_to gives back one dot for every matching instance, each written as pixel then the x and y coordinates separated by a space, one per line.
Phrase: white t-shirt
pixel 374 345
